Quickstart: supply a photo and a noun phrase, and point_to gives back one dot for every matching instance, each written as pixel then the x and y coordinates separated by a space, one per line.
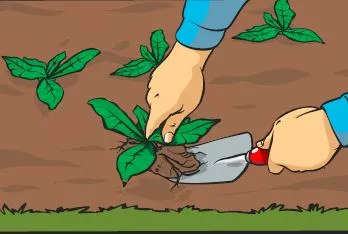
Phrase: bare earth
pixel 63 157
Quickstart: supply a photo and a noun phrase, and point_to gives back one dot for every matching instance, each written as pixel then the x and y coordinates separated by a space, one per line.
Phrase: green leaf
pixel 159 45
pixel 157 136
pixel 134 62
pixel 135 161
pixel 302 35
pixel 50 93
pixel 264 34
pixel 76 63
pixel 35 62
pixel 192 132
pixel 258 28
pixel 135 68
pixel 115 119
pixel 142 117
pixel 284 13
pixel 54 63
pixel 19 68
pixel 146 53
pixel 270 20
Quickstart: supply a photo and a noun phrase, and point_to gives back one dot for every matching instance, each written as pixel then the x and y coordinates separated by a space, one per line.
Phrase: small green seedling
pixel 149 60
pixel 48 90
pixel 141 156
pixel 279 26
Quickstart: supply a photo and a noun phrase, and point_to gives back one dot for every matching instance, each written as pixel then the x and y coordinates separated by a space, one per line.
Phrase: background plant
pixel 140 157
pixel 48 90
pixel 279 26
pixel 149 59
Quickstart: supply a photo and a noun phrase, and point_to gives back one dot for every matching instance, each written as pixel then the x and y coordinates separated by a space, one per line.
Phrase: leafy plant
pixel 279 26
pixel 48 90
pixel 141 156
pixel 149 59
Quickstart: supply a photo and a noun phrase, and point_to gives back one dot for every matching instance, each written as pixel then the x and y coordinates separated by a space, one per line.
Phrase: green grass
pixel 128 219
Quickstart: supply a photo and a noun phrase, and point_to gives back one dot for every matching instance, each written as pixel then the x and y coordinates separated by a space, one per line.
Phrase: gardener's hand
pixel 301 140
pixel 175 89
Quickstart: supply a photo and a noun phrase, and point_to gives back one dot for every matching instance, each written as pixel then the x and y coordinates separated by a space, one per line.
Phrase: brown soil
pixel 63 157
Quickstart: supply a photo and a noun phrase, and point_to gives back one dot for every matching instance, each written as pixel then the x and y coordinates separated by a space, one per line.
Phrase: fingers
pixel 158 111
pixel 274 168
pixel 266 144
pixel 171 125
pixel 158 114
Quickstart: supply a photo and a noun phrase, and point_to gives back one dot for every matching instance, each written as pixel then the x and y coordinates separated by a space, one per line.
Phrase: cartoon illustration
pixel 172 98
pixel 179 115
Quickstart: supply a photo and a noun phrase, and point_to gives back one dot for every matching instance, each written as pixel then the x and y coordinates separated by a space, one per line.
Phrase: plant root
pixel 171 162
pixel 124 145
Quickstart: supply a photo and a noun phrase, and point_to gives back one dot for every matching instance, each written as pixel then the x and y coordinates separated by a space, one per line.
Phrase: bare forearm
pixel 188 55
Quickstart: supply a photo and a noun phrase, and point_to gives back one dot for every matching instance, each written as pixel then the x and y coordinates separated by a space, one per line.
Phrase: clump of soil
pixel 174 161
pixel 171 161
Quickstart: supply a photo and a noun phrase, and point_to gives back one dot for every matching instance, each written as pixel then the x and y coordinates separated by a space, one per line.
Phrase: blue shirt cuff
pixel 192 35
pixel 337 112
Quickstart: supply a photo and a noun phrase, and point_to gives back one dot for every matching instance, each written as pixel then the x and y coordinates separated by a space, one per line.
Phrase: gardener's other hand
pixel 175 89
pixel 301 140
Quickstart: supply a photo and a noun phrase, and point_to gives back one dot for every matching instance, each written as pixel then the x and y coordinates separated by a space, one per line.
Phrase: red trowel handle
pixel 258 156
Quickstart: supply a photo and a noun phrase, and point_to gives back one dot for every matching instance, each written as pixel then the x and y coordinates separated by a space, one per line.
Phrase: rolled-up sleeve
pixel 337 112
pixel 206 21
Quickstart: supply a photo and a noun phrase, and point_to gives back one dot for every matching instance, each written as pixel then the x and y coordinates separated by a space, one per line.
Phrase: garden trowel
pixel 224 160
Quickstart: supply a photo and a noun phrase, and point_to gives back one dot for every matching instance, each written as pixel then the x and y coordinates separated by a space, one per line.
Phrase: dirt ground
pixel 62 158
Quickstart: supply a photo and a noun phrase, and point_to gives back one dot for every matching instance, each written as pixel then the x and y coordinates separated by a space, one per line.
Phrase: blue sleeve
pixel 337 112
pixel 205 22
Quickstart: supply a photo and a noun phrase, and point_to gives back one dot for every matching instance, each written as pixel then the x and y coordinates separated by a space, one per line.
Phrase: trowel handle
pixel 258 156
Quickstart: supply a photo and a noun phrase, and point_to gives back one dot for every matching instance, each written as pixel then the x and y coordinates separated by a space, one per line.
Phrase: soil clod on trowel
pixel 171 161
pixel 174 161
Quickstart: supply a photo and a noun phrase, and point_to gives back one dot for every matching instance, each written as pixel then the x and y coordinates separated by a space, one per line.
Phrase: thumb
pixel 266 142
pixel 171 125
pixel 158 114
